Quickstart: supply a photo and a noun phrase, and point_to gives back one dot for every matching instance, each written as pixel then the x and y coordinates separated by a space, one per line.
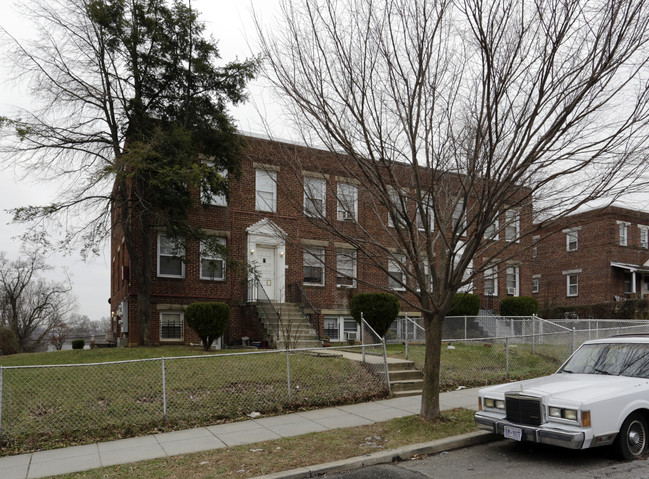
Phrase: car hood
pixel 572 387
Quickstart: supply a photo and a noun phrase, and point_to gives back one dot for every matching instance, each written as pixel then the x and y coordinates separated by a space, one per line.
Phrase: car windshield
pixel 613 359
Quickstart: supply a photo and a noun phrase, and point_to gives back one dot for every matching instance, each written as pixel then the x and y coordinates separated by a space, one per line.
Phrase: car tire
pixel 631 441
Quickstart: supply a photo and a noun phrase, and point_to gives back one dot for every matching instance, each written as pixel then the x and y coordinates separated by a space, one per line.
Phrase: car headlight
pixel 564 413
pixel 494 403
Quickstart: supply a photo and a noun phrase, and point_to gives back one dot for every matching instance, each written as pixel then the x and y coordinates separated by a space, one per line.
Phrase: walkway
pixel 123 451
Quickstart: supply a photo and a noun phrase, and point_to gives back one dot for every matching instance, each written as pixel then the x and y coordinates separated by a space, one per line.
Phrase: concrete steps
pixel 295 330
pixel 405 379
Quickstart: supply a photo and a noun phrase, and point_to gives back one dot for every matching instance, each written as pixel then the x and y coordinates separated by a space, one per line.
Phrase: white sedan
pixel 599 397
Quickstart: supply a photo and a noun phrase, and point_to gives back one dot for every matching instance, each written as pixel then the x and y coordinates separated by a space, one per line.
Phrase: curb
pixel 384 457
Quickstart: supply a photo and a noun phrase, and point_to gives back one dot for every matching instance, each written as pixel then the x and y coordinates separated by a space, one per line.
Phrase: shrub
pixel 8 342
pixel 519 306
pixel 78 344
pixel 465 304
pixel 208 320
pixel 379 310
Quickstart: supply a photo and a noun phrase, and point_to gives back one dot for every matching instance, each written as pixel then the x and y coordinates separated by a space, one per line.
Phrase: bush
pixel 519 306
pixel 78 344
pixel 8 342
pixel 208 320
pixel 379 310
pixel 465 304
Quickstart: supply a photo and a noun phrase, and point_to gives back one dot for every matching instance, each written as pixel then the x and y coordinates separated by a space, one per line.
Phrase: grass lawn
pixel 290 453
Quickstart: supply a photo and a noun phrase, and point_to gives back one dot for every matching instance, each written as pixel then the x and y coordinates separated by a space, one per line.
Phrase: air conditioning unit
pixel 351 335
pixel 511 291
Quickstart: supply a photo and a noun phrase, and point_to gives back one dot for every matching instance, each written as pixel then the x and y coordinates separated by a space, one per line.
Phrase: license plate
pixel 514 433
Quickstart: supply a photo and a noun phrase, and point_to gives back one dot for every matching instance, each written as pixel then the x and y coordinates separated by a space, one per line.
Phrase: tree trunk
pixel 430 389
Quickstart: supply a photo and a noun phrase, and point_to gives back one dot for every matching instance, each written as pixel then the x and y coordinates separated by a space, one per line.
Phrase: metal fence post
pixel 288 373
pixel 363 335
pixel 387 369
pixel 465 328
pixel 507 356
pixel 533 333
pixel 406 336
pixel 164 390
pixel 574 340
pixel 1 391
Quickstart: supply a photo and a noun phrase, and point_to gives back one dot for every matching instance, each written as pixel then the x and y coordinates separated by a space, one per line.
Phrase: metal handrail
pixel 257 293
pixel 297 295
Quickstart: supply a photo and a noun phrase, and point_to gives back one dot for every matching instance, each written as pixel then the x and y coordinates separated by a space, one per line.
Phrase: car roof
pixel 621 338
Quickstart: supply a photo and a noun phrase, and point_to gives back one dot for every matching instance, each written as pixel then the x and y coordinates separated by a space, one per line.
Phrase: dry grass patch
pixel 289 453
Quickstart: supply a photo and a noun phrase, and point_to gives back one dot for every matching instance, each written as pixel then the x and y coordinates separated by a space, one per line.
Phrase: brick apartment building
pixel 266 222
pixel 592 257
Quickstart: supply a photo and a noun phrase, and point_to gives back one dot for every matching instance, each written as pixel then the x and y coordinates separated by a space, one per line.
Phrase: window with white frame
pixel 266 190
pixel 347 208
pixel 428 278
pixel 397 207
pixel 491 281
pixel 332 328
pixel 623 228
pixel 397 272
pixel 335 325
pixel 644 236
pixel 346 268
pixel 512 225
pixel 572 284
pixel 492 231
pixel 215 199
pixel 313 262
pixel 459 217
pixel 427 207
pixel 513 277
pixel 535 285
pixel 535 247
pixel 315 196
pixel 171 326
pixel 351 328
pixel 212 260
pixel 170 258
pixel 572 240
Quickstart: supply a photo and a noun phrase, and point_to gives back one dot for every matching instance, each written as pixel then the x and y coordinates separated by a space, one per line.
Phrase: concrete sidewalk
pixel 82 458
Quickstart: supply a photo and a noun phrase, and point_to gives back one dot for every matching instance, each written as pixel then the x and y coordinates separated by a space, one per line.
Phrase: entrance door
pixel 266 269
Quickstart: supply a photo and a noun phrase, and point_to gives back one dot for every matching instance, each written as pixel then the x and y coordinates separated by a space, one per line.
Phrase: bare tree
pixel 453 116
pixel 31 305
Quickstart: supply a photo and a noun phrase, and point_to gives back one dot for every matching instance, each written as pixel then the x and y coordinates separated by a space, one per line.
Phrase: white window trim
pixel 319 260
pixel 320 194
pixel 513 223
pixel 623 226
pixel 349 254
pixel 395 199
pixel 536 285
pixel 260 203
pixel 569 284
pixel 181 252
pixel 644 236
pixel 215 258
pixel 216 199
pixel 517 271
pixel 182 327
pixel 492 232
pixel 346 191
pixel 396 265
pixel 426 204
pixel 491 273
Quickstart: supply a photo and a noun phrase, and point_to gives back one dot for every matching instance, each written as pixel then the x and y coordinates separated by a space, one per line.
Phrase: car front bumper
pixel 539 434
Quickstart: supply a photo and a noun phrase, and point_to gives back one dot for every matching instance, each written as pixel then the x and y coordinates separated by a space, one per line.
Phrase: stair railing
pixel 266 309
pixel 295 294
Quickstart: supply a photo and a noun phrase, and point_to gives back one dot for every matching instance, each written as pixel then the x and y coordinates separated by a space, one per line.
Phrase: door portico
pixel 266 257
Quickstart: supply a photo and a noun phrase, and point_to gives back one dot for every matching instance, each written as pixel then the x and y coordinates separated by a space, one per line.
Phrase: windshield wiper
pixel 601 371
pixel 567 371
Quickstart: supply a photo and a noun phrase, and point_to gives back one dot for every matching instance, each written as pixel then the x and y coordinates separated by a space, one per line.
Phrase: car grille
pixel 523 410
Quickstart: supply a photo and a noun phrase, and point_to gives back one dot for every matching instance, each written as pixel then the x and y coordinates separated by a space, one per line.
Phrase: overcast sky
pixel 230 22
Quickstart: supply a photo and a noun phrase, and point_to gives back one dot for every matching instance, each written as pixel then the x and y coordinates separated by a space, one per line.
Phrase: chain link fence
pixel 481 350
pixel 86 401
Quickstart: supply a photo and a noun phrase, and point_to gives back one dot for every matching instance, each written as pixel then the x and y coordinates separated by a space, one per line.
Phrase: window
pixel 491 281
pixel 315 196
pixel 396 272
pixel 512 226
pixel 572 240
pixel 210 198
pixel 512 280
pixel 346 268
pixel 624 233
pixel 171 326
pixel 459 218
pixel 347 202
pixel 331 328
pixel 397 208
pixel 491 233
pixel 572 285
pixel 535 285
pixel 314 266
pixel 212 261
pixel 170 258
pixel 427 208
pixel 644 236
pixel 265 190
pixel 428 278
pixel 351 328
pixel 535 247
